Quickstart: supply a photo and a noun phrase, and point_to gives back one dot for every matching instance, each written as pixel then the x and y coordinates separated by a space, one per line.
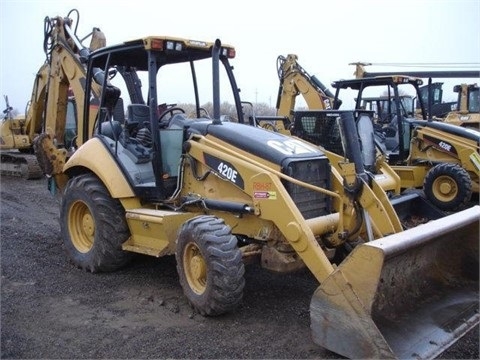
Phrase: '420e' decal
pixel 444 145
pixel 225 169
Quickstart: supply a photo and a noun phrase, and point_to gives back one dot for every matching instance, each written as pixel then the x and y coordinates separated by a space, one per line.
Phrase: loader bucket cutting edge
pixel 408 295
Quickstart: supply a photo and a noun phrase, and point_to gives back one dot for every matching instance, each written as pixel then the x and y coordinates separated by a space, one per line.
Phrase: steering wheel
pixel 269 126
pixel 170 111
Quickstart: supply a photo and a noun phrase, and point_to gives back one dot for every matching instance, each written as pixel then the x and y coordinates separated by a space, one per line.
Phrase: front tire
pixel 448 186
pixel 210 266
pixel 93 225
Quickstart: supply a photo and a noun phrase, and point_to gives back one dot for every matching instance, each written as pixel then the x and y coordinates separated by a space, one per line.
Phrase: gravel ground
pixel 52 310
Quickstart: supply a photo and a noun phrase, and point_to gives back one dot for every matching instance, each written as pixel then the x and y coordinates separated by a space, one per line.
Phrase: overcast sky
pixel 326 35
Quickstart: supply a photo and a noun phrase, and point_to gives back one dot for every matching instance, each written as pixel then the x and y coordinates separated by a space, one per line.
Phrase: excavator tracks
pixel 18 164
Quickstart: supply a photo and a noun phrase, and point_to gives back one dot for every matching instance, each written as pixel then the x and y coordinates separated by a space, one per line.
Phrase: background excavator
pixel 16 142
pixel 462 112
pixel 217 195
pixel 16 151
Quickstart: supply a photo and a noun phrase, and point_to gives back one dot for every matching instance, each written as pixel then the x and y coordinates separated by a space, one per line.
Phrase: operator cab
pixel 146 80
pixel 391 97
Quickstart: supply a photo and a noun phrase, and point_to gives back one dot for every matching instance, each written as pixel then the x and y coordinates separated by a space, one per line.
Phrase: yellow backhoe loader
pixel 439 158
pixel 442 159
pixel 220 194
pixel 466 111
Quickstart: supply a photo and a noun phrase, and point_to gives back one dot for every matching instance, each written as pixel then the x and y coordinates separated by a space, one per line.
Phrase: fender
pixel 93 155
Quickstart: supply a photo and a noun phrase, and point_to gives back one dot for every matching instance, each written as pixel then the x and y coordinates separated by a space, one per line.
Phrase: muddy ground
pixel 52 310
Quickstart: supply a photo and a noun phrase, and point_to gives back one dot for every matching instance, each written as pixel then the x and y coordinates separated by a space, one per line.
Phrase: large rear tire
pixel 210 266
pixel 93 225
pixel 448 186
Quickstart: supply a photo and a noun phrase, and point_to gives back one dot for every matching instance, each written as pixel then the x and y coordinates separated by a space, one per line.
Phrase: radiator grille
pixel 315 172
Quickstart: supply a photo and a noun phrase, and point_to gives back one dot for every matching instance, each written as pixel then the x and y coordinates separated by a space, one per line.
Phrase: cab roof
pixel 169 50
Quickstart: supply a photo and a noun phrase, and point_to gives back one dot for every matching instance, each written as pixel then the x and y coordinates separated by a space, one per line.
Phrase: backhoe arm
pixel 294 80
pixel 36 106
pixel 61 75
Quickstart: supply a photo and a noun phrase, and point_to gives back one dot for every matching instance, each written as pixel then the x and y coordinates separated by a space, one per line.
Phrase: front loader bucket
pixel 407 295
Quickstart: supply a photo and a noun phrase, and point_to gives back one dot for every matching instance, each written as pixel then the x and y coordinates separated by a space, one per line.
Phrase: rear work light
pixel 157 44
pixel 229 52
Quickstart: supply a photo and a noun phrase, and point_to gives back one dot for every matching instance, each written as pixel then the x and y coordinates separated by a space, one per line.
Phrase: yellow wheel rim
pixel 81 226
pixel 195 268
pixel 445 188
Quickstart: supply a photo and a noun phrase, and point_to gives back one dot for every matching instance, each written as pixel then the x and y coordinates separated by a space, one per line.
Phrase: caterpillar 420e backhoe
pixel 216 194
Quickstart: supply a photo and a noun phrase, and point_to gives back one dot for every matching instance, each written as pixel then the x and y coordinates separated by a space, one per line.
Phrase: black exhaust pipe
pixel 216 81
